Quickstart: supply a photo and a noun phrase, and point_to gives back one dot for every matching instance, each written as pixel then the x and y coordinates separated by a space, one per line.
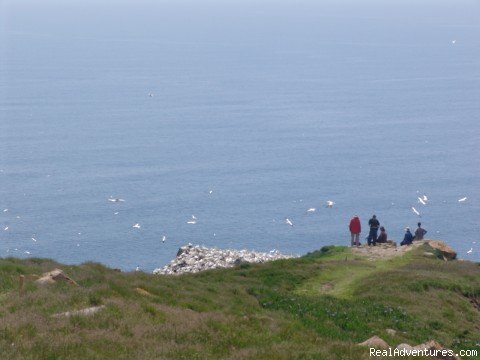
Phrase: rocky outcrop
pixel 391 332
pixel 375 342
pixel 441 353
pixel 83 312
pixel 54 276
pixel 406 347
pixel 433 348
pixel 142 292
pixel 432 249
pixel 443 249
pixel 192 259
pixel 382 250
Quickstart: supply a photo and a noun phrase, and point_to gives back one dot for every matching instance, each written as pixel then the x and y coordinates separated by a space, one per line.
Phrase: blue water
pixel 275 107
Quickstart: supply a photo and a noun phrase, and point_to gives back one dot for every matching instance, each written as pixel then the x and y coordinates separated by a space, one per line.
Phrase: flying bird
pixel 136 226
pixel 415 211
pixel 116 200
pixel 462 199
pixel 164 238
pixel 311 210
pixel 288 222
pixel 454 41
pixel 470 251
pixel 34 240
pixel 421 201
pixel 5 210
pixel 6 228
pixel 329 204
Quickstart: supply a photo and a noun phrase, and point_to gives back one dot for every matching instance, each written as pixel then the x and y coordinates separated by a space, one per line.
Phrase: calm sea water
pixel 260 110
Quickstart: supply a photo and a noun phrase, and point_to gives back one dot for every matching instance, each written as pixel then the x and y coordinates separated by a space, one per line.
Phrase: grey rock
pixel 391 332
pixel 375 342
pixel 83 312
pixel 404 347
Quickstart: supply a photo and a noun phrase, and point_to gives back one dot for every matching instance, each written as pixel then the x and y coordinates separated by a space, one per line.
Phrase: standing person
pixel 355 230
pixel 382 238
pixel 420 232
pixel 372 236
pixel 408 238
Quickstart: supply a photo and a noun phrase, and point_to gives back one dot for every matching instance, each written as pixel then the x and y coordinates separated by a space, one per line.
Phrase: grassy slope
pixel 315 307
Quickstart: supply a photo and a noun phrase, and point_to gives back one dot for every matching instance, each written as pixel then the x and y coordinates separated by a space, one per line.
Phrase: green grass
pixel 315 307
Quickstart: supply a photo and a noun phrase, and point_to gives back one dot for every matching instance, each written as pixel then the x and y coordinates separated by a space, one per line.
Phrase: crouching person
pixel 408 238
pixel 382 238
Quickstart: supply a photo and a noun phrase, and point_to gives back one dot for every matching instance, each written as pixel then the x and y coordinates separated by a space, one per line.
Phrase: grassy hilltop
pixel 314 307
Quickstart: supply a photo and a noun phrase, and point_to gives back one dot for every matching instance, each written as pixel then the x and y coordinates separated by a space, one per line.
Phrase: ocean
pixel 241 114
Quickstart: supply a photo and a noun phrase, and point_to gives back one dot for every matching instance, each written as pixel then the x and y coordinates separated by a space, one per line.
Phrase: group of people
pixel 373 238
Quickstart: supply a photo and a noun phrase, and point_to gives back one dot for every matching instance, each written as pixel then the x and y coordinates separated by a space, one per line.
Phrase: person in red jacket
pixel 355 230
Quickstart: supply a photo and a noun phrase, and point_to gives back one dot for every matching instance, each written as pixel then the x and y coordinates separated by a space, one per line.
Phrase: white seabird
pixel 34 240
pixel 115 200
pixel 311 210
pixel 421 201
pixel 136 226
pixel 462 199
pixel 288 222
pixel 453 42
pixel 5 210
pixel 329 204
pixel 425 198
pixel 164 238
pixel 470 251
pixel 415 211
pixel 6 228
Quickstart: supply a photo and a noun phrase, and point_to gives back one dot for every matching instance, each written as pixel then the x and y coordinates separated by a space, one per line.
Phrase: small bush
pixel 94 300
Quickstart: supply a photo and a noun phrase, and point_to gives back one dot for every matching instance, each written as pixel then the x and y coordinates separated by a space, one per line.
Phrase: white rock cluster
pixel 192 259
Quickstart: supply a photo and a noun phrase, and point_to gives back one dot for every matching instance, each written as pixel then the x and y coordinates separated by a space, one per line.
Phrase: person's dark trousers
pixel 372 236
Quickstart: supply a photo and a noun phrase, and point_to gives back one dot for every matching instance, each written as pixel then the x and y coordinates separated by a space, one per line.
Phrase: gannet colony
pixel 192 259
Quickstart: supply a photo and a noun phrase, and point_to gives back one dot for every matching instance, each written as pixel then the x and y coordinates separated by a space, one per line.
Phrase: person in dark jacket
pixel 420 232
pixel 355 230
pixel 408 238
pixel 372 236
pixel 382 238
